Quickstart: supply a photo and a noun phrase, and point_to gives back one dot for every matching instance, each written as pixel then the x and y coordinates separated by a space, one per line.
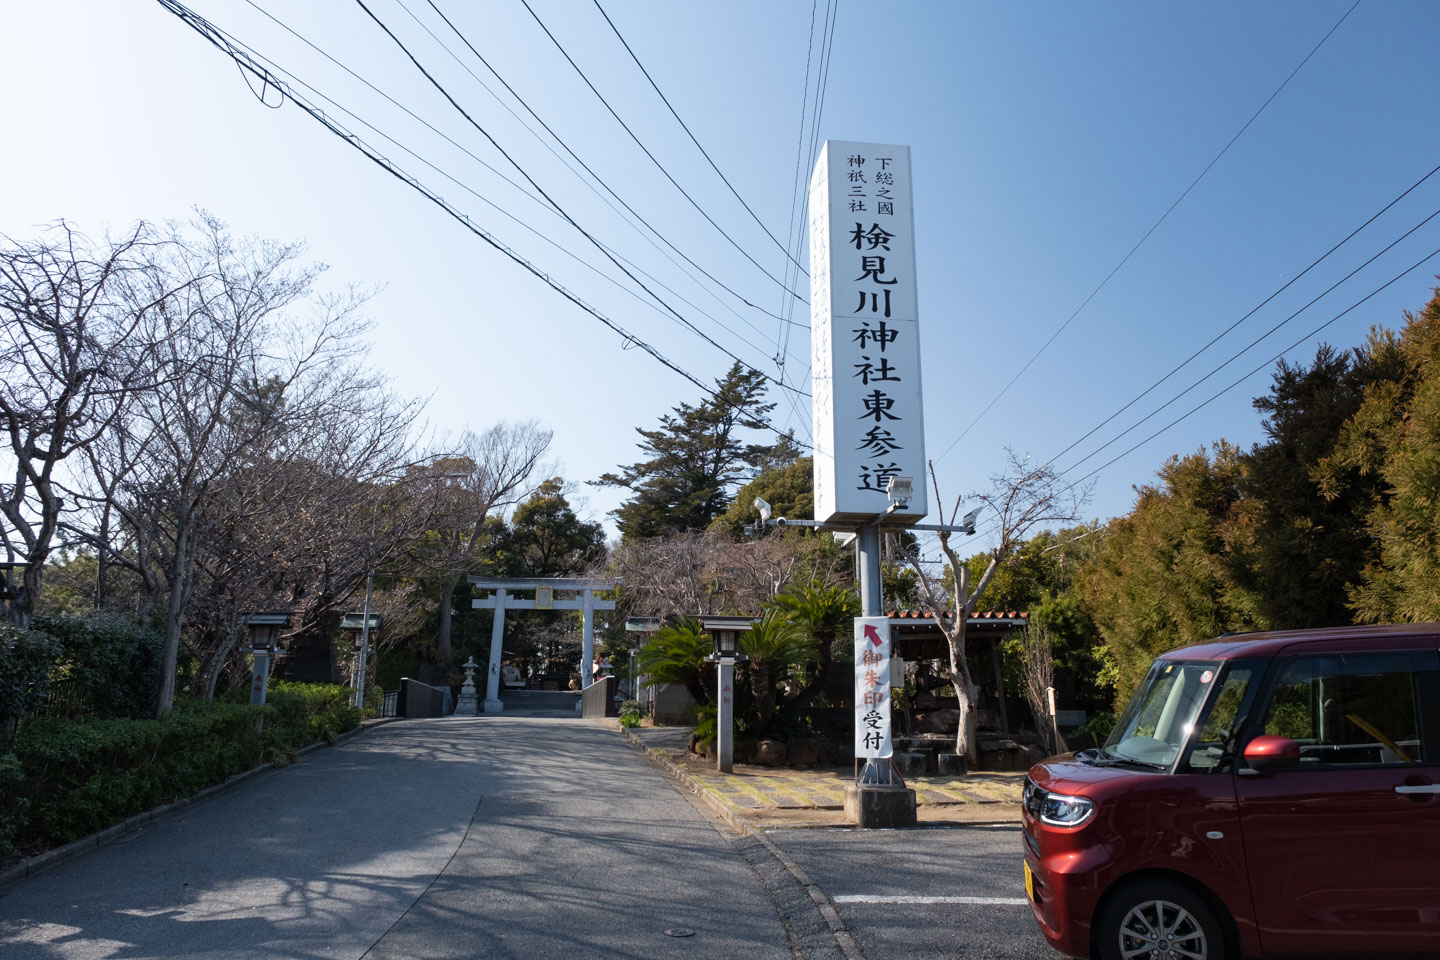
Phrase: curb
pixel 42 861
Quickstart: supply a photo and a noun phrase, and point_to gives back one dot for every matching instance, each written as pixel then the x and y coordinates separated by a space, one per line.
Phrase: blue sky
pixel 1047 138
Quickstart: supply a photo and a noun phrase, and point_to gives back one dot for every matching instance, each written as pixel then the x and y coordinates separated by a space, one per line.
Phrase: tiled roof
pixel 948 614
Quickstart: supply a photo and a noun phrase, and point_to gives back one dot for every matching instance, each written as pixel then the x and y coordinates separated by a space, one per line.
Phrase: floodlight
pixel 764 509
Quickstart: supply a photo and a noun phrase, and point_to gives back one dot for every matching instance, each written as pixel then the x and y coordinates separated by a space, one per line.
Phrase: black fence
pixel 418 699
pixel 389 707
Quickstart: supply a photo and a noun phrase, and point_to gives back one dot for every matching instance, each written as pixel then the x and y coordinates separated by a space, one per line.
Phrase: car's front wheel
pixel 1158 920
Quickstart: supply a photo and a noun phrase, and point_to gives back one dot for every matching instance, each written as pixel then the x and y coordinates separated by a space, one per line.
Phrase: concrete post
pixel 725 725
pixel 587 641
pixel 497 641
pixel 259 677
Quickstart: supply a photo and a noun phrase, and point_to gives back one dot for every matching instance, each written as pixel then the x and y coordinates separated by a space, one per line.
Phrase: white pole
pixel 497 637
pixel 364 643
pixel 587 642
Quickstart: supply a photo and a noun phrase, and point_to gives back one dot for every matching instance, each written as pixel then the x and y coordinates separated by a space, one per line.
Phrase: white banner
pixel 872 687
pixel 864 332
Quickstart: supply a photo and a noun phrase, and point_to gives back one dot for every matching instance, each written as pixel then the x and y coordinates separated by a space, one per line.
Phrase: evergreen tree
pixel 1395 435
pixel 696 457
pixel 546 539
pixel 1305 548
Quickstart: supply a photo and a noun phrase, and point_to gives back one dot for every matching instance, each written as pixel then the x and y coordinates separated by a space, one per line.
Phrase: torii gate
pixel 544 590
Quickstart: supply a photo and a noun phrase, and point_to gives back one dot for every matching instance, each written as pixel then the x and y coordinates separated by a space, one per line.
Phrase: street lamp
pixel 264 644
pixel 358 625
pixel 726 632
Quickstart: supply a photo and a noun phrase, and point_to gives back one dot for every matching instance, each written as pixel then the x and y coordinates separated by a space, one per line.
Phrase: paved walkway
pixel 758 794
pixel 490 837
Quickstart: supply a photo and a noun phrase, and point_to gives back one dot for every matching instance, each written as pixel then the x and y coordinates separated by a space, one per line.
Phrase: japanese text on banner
pixel 872 687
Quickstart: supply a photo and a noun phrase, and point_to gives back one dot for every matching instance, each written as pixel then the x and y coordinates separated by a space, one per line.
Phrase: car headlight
pixel 1062 811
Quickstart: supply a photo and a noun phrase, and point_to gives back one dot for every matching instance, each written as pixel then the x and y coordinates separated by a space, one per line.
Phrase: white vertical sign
pixel 872 687
pixel 864 332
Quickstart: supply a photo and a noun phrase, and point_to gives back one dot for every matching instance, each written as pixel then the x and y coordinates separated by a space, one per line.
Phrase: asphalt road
pixel 904 893
pixel 494 837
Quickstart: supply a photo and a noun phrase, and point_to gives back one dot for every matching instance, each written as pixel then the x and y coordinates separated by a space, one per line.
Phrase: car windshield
pixel 1161 715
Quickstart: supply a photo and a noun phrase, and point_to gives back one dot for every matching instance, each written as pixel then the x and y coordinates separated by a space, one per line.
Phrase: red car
pixel 1264 795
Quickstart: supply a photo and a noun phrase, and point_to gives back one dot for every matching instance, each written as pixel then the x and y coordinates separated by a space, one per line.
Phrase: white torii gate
pixel 543 590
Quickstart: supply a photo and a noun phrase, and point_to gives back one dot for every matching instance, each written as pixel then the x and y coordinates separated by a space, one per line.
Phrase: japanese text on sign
pixel 872 687
pixel 865 348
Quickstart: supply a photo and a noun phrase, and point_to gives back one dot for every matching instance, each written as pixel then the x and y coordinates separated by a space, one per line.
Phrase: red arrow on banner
pixel 872 636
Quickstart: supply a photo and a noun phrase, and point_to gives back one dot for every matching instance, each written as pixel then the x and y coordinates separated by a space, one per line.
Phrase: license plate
pixel 1029 881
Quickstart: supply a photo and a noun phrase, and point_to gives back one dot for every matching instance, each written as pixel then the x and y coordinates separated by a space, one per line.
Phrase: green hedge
pixel 117 662
pixel 25 659
pixel 63 779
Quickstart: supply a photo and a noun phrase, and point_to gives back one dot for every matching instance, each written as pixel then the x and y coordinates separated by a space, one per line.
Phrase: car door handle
pixel 1427 788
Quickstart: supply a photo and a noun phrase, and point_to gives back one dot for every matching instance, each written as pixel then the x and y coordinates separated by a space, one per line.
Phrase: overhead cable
pixel 566 147
pixel 528 192
pixel 703 152
pixel 583 232
pixel 646 150
pixel 221 41
pixel 1408 270
pixel 1155 226
pixel 1313 264
pixel 1253 343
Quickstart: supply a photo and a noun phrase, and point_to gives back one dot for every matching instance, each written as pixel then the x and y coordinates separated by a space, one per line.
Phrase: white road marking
pixel 981 901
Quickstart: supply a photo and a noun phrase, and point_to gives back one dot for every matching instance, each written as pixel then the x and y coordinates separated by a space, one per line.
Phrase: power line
pixel 1140 396
pixel 646 150
pixel 1163 217
pixel 466 187
pixel 827 43
pixel 221 41
pixel 790 231
pixel 1247 348
pixel 583 232
pixel 702 150
pixel 566 147
pixel 1408 270
pixel 549 208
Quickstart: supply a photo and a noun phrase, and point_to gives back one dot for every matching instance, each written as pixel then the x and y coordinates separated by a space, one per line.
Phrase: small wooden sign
pixel 544 598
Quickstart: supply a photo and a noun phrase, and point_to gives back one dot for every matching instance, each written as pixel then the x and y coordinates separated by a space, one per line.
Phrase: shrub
pixel 25 658
pixel 63 779
pixel 116 662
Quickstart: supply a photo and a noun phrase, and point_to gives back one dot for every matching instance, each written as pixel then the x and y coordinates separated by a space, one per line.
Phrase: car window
pixel 1349 710
pixel 1213 743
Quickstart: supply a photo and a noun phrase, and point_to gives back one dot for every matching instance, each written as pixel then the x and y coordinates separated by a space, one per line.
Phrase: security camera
pixel 968 521
pixel 781 522
pixel 764 509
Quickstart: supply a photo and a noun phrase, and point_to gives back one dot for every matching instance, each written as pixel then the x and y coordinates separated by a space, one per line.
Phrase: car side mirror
pixel 1268 753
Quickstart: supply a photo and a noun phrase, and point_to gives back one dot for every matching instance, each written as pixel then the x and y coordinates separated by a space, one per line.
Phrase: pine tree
pixel 697 456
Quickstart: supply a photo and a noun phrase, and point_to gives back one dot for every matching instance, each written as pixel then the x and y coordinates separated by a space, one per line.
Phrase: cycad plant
pixel 820 614
pixel 774 645
pixel 676 654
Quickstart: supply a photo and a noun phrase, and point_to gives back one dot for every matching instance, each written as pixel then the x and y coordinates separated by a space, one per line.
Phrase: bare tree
pixel 253 360
pixel 75 320
pixel 1037 648
pixel 1022 498
pixel 493 469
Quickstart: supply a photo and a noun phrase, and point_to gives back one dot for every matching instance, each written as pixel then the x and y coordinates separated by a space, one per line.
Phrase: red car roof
pixel 1269 642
